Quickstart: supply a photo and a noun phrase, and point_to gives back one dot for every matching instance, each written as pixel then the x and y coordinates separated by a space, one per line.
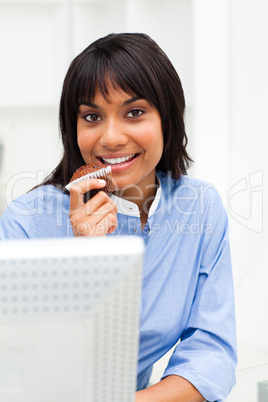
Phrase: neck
pixel 142 198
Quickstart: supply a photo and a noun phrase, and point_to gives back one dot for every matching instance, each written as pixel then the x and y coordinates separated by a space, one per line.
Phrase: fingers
pixel 98 201
pixel 96 217
pixel 99 213
pixel 78 190
pixel 101 227
pixel 100 204
pixel 107 225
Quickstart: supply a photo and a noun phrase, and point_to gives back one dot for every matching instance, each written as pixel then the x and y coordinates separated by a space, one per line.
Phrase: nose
pixel 113 135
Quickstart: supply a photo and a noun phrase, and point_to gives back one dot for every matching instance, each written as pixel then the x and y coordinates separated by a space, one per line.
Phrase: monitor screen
pixel 69 319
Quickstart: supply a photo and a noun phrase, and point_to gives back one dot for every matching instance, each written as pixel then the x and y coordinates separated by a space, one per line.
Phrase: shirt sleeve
pixel 17 222
pixel 206 353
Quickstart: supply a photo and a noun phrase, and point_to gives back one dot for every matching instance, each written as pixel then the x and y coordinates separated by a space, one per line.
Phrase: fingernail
pixel 102 181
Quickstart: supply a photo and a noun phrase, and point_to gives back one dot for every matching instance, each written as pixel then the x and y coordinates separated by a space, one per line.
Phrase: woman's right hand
pixel 96 217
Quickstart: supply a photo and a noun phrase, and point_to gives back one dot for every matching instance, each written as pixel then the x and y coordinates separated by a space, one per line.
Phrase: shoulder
pixel 37 198
pixel 189 189
pixel 31 214
pixel 47 191
pixel 191 201
pixel 183 182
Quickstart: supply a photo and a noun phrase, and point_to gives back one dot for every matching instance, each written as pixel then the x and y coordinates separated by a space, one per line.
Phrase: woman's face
pixel 125 133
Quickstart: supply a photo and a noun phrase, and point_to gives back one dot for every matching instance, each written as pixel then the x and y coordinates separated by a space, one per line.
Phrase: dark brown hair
pixel 134 63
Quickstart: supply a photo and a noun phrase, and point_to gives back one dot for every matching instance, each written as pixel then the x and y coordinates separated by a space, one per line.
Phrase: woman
pixel 122 105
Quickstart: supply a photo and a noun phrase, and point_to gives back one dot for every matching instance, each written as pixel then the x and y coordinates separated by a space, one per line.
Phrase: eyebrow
pixel 125 103
pixel 131 100
pixel 90 104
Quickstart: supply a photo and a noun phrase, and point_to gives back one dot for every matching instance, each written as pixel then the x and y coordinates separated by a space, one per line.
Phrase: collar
pixel 129 208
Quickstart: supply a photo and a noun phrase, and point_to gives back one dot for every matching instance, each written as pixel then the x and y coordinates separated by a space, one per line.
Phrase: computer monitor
pixel 69 319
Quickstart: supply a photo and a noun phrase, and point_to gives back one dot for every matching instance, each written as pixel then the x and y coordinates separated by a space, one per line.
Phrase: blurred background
pixel 220 50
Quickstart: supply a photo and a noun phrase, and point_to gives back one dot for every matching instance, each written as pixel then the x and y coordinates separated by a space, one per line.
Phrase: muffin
pixel 93 171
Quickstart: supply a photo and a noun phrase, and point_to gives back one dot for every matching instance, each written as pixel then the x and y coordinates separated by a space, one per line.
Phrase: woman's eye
pixel 135 113
pixel 92 117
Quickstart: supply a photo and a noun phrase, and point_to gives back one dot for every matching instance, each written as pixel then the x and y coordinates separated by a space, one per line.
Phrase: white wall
pixel 230 145
pixel 249 165
pixel 220 51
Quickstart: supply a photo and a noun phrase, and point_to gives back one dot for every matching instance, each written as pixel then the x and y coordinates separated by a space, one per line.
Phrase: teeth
pixel 114 161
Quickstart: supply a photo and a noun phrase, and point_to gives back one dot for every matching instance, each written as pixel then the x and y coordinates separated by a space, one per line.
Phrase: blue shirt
pixel 187 291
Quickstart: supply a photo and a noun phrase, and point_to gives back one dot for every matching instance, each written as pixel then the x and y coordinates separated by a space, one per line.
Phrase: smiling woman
pixel 122 106
pixel 125 133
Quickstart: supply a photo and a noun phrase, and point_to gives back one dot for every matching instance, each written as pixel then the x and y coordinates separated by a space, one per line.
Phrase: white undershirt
pixel 130 208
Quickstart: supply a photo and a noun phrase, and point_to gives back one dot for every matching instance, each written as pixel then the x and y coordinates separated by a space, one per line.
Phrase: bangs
pixel 103 70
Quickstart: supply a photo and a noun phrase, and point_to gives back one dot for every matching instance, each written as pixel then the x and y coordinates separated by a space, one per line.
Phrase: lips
pixel 118 160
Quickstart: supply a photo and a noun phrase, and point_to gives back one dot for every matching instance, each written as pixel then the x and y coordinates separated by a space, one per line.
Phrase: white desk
pixel 246 388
